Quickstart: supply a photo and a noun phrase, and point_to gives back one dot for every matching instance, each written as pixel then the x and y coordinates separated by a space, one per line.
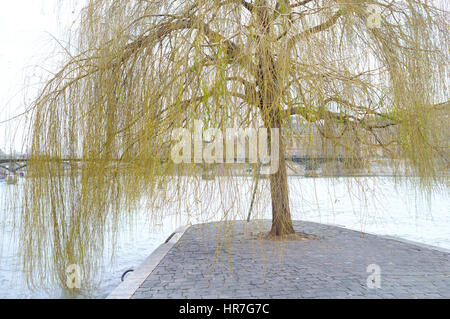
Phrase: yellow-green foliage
pixel 143 68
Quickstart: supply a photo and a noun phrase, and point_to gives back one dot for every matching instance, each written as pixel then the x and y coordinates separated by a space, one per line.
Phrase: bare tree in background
pixel 144 68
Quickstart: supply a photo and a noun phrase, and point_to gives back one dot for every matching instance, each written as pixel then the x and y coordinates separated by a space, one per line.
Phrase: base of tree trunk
pixel 282 228
pixel 281 214
pixel 289 237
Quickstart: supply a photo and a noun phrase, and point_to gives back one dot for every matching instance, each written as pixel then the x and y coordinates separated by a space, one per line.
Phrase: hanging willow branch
pixel 144 68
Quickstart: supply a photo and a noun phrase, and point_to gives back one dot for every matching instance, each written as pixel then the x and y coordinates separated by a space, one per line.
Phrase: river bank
pixel 375 205
pixel 337 263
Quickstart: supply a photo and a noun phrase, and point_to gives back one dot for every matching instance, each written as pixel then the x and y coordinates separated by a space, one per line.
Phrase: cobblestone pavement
pixel 209 263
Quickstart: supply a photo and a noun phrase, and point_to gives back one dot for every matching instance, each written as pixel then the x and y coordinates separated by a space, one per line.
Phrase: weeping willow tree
pixel 364 75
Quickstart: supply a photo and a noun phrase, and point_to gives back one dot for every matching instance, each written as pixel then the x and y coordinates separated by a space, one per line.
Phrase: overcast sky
pixel 27 28
pixel 27 32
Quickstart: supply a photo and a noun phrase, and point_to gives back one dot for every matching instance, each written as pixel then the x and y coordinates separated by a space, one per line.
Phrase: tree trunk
pixel 269 98
pixel 281 214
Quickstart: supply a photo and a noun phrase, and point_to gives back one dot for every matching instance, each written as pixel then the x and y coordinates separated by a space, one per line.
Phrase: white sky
pixel 27 28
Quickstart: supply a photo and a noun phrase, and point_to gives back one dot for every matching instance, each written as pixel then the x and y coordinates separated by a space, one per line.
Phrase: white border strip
pixel 135 279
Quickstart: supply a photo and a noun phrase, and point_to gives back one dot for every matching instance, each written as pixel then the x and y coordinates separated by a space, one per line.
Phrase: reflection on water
pixel 385 209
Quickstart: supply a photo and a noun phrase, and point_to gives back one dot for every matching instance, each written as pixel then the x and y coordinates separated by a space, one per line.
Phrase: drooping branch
pixel 318 28
pixel 252 96
pixel 353 107
pixel 165 29
pixel 247 5
pixel 285 4
pixel 313 115
pixel 301 3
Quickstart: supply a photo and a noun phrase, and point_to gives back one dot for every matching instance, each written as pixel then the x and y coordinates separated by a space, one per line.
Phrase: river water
pixel 371 204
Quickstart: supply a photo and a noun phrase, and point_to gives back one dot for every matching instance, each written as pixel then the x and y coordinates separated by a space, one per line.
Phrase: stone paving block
pixel 335 266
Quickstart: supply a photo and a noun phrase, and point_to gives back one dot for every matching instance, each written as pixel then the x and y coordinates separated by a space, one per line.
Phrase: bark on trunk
pixel 281 214
pixel 269 96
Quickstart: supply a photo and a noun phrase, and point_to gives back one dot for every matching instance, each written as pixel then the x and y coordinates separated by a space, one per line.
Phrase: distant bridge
pixel 13 165
pixel 314 162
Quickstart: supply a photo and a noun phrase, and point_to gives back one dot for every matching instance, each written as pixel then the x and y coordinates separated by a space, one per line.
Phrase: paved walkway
pixel 334 266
